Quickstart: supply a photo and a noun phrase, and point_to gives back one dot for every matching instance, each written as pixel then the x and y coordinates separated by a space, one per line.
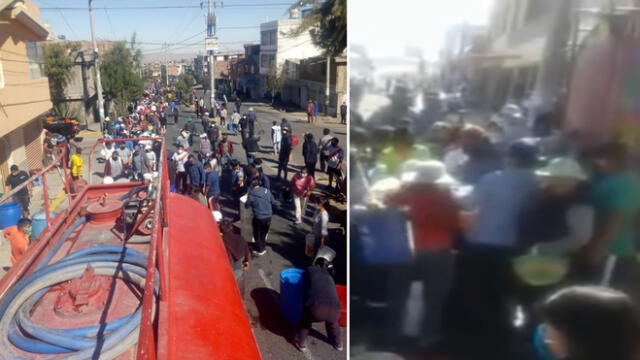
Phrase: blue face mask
pixel 542 350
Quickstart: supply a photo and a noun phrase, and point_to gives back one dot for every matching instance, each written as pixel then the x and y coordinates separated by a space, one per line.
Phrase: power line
pixel 110 24
pixel 69 26
pixel 187 25
pixel 162 7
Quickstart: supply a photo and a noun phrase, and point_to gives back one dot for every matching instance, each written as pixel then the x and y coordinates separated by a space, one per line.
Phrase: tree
pixel 184 83
pixel 120 70
pixel 275 81
pixel 326 23
pixel 58 66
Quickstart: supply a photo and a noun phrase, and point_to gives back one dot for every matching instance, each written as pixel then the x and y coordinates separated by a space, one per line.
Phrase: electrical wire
pixel 68 25
pixel 163 7
pixel 110 24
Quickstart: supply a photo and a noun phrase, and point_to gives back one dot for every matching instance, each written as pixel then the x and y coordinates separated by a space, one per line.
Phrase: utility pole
pixel 96 68
pixel 210 46
pixel 327 90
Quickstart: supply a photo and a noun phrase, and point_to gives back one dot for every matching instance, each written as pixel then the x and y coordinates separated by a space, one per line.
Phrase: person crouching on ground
pixel 301 186
pixel 261 201
pixel 322 303
pixel 18 237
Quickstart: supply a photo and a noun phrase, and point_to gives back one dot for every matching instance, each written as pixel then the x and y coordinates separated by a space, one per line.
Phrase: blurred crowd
pixel 467 226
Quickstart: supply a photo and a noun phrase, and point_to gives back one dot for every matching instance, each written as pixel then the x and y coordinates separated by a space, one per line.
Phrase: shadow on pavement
pixel 269 317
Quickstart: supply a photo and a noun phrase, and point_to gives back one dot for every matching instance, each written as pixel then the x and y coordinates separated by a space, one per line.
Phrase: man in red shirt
pixel 310 112
pixel 434 217
pixel 301 185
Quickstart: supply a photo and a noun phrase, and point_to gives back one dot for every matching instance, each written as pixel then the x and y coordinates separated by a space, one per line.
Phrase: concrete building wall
pixel 23 97
pixel 286 47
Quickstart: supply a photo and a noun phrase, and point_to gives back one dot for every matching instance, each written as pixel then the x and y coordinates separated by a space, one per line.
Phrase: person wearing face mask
pixel 18 237
pixel 180 157
pixel 183 139
pixel 301 186
pixel 588 323
pixel 114 167
pixel 264 179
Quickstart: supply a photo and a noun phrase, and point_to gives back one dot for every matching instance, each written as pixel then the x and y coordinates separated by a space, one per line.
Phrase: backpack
pixel 214 133
pixel 294 140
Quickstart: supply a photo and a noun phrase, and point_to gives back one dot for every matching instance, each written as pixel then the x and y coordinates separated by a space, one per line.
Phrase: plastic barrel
pixel 292 288
pixel 342 295
pixel 39 223
pixel 10 213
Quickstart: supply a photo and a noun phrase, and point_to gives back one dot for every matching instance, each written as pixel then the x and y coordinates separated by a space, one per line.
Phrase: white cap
pixel 217 215
pixel 250 109
pixel 107 180
pixel 563 168
pixel 426 172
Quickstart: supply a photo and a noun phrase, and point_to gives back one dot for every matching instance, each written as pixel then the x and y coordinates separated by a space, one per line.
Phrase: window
pixel 268 37
pixel 34 56
pixel 267 60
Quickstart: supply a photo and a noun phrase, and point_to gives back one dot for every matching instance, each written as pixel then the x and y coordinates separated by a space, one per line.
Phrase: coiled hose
pixel 109 340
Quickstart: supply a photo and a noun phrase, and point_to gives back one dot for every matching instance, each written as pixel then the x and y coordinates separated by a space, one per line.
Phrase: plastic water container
pixel 292 288
pixel 10 214
pixel 384 236
pixel 39 223
pixel 342 295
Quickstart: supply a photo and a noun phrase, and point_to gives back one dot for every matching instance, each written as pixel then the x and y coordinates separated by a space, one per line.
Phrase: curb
pixel 57 200
pixel 89 133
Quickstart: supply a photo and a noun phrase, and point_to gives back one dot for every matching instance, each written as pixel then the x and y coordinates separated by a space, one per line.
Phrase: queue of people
pixel 495 227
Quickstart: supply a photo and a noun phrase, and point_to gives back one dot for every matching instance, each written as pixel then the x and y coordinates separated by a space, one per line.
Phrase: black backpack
pixel 214 133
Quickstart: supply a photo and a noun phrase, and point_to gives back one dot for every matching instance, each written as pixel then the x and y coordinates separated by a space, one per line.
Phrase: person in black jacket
pixel 310 152
pixel 285 153
pixel 251 147
pixel 321 303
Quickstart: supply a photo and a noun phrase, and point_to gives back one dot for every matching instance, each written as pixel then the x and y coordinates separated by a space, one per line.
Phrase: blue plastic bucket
pixel 10 213
pixel 39 223
pixel 384 236
pixel 292 288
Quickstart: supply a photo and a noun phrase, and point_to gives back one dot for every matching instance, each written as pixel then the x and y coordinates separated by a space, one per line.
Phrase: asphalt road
pixel 285 244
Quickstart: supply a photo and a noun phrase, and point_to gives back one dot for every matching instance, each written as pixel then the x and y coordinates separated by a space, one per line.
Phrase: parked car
pixel 65 127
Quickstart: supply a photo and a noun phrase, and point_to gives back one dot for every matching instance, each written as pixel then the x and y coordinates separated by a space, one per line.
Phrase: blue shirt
pixel 213 182
pixel 196 174
pixel 500 198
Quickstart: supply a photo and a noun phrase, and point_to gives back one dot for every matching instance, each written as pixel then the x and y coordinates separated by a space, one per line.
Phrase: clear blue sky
pixel 162 25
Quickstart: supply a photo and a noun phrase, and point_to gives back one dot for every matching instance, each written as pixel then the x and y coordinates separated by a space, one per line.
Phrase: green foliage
pixel 184 83
pixel 58 66
pixel 120 70
pixel 326 23
pixel 64 111
pixel 275 80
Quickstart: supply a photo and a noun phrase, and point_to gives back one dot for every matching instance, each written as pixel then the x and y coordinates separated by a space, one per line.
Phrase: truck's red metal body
pixel 198 312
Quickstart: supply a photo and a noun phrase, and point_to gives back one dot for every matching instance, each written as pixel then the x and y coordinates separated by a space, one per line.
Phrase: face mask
pixel 303 174
pixel 541 348
pixel 29 230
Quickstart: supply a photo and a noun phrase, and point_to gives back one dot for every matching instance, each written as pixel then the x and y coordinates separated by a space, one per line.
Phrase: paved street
pixel 285 245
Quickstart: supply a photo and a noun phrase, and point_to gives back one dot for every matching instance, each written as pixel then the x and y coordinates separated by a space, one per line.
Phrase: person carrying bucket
pixel 321 301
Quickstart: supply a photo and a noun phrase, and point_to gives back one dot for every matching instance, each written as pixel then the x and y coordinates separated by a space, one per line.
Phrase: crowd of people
pixel 495 226
pixel 206 166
